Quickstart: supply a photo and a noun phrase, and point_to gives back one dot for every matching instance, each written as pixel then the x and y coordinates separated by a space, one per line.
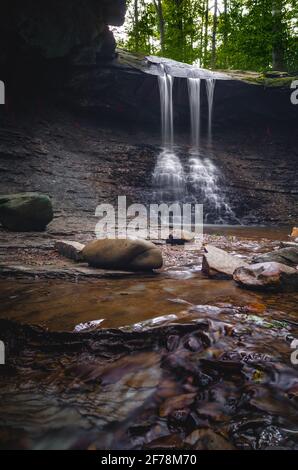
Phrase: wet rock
pixel 178 237
pixel 289 244
pixel 70 249
pixel 193 344
pixel 172 404
pixel 128 254
pixel 208 309
pixel 25 212
pixel 88 326
pixel 288 256
pixel 206 439
pixel 219 264
pixel 151 323
pixel 270 437
pixel 173 342
pixel 271 275
pixel 172 441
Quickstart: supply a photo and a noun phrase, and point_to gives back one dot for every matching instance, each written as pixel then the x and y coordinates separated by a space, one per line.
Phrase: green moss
pixel 278 82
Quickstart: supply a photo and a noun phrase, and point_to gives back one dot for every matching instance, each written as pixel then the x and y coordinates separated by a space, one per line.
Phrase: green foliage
pixel 244 34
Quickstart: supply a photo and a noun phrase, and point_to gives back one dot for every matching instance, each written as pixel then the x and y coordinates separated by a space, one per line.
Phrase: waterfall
pixel 203 175
pixel 203 179
pixel 194 93
pixel 165 82
pixel 210 86
pixel 168 175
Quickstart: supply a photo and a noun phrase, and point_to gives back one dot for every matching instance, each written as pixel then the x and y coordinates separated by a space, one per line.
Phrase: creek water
pixel 61 305
pixel 168 360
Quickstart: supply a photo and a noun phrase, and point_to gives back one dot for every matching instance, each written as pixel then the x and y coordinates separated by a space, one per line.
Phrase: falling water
pixel 168 175
pixel 194 93
pixel 210 87
pixel 204 176
pixel 165 82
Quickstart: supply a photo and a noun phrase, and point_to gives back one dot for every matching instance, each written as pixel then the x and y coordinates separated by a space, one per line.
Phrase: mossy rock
pixel 25 212
pixel 278 82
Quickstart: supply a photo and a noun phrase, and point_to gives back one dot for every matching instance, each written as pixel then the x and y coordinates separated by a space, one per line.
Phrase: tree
pixel 278 35
pixel 214 33
pixel 161 23
pixel 206 26
pixel 136 24
pixel 240 34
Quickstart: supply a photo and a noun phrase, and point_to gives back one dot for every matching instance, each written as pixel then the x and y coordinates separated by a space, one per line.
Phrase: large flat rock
pixel 219 264
pixel 69 272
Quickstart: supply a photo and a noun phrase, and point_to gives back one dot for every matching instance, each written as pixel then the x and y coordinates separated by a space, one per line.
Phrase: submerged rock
pixel 275 276
pixel 219 264
pixel 128 254
pixel 70 249
pixel 206 439
pixel 25 212
pixel 288 256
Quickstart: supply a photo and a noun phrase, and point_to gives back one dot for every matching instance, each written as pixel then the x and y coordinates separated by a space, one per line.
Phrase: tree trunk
pixel 202 33
pixel 214 34
pixel 161 23
pixel 179 26
pixel 277 40
pixel 225 35
pixel 206 33
pixel 136 25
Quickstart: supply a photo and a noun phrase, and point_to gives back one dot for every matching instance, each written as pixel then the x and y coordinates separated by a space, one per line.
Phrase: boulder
pixel 267 276
pixel 70 249
pixel 288 256
pixel 219 264
pixel 127 254
pixel 25 212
